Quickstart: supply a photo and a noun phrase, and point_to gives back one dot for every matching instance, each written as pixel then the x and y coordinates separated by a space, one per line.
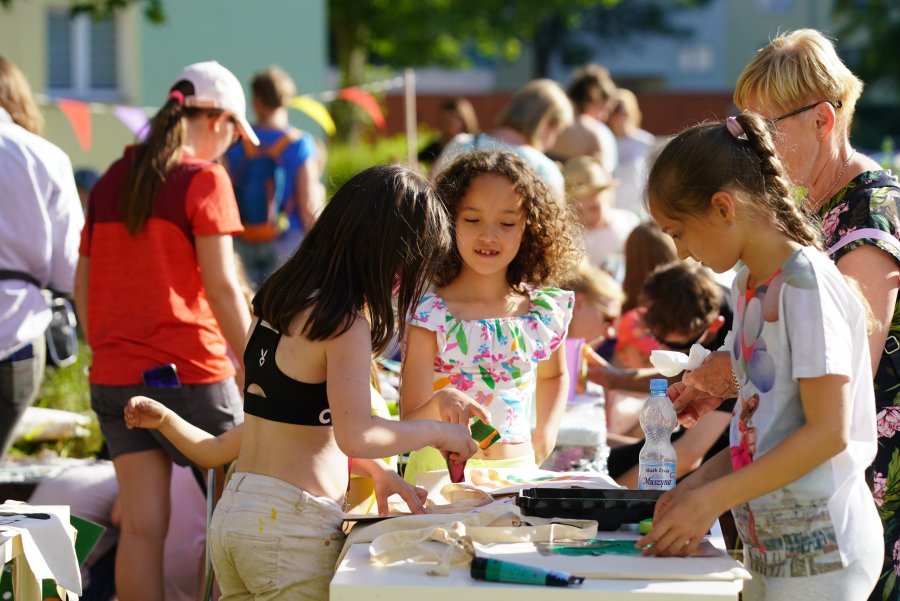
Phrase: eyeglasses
pixel 681 347
pixel 803 109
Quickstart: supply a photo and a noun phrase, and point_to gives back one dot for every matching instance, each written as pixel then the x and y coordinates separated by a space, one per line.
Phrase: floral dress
pixel 870 200
pixel 494 361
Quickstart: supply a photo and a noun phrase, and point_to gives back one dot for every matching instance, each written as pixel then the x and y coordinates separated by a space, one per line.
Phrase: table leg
pixel 26 587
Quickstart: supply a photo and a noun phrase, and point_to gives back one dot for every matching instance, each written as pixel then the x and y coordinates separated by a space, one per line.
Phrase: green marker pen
pixel 496 570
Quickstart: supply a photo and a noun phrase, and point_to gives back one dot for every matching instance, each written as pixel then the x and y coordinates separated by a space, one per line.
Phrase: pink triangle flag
pixel 79 115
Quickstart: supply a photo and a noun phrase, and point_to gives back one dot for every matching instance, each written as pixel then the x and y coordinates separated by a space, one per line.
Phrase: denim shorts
pixel 215 408
pixel 271 540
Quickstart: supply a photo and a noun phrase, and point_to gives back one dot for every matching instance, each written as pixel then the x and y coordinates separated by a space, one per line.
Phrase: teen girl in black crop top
pixel 272 395
pixel 323 314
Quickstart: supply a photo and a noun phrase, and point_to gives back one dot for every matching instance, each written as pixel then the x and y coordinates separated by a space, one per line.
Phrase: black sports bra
pixel 286 400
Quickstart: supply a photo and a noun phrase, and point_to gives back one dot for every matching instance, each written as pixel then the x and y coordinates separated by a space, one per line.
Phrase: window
pixel 82 56
pixel 696 58
pixel 774 7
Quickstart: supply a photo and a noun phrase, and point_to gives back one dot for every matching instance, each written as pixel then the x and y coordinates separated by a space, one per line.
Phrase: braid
pixel 776 188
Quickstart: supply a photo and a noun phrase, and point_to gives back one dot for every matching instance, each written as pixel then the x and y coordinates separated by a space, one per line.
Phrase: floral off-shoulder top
pixel 495 360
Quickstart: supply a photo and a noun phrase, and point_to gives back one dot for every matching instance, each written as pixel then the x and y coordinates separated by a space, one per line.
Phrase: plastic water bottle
pixel 657 458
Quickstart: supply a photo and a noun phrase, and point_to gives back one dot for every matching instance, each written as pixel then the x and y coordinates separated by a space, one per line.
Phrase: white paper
pixel 672 363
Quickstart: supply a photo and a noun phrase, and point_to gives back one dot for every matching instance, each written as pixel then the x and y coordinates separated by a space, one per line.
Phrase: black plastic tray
pixel 610 507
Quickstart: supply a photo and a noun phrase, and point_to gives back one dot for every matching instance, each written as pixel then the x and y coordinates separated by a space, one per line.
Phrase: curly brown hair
pixel 681 297
pixel 550 248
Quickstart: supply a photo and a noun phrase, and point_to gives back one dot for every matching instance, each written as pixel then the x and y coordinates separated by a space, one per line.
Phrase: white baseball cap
pixel 215 87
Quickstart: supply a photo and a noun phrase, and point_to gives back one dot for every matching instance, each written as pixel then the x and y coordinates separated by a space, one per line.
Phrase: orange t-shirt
pixel 146 301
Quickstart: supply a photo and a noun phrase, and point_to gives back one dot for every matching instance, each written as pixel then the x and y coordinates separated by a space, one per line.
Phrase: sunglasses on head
pixel 803 109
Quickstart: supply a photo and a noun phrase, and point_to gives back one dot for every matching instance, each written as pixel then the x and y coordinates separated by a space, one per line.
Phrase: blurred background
pixel 681 58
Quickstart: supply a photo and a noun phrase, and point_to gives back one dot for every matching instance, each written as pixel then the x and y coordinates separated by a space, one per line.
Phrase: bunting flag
pixel 366 102
pixel 79 116
pixel 316 111
pixel 134 118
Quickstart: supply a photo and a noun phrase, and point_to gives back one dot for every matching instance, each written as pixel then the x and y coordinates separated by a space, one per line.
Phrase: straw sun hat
pixel 585 176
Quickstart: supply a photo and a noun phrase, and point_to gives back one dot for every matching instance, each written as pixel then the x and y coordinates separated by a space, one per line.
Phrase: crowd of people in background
pixel 234 315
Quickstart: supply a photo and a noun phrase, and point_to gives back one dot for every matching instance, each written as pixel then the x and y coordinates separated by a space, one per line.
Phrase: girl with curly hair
pixel 494 328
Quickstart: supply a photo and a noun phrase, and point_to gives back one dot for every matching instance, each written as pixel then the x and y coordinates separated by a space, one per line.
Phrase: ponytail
pixel 736 155
pixel 154 158
pixel 793 221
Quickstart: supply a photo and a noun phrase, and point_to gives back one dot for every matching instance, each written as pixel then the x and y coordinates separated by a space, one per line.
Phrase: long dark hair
pixel 384 226
pixel 707 158
pixel 153 158
pixel 549 249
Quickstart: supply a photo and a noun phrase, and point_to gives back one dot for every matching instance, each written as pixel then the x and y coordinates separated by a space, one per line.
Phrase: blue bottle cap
pixel 659 385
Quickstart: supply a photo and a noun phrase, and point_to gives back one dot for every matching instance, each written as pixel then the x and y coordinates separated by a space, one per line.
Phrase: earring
pixel 217 128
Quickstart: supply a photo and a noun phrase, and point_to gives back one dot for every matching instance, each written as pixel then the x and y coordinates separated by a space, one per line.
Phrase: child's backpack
pixel 259 183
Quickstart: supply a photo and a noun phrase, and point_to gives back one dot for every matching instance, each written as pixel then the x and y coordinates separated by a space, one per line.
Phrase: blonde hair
pixel 796 68
pixel 597 286
pixel 16 98
pixel 633 116
pixel 532 104
pixel 585 176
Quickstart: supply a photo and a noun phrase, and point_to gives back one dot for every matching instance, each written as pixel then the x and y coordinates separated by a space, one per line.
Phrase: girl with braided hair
pixel 799 353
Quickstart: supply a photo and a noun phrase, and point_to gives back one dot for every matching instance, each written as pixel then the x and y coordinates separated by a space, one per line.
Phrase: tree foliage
pixel 876 23
pixel 449 32
pixel 153 9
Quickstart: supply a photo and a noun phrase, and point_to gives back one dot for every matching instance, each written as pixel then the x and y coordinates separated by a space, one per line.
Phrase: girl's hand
pixel 602 372
pixel 387 482
pixel 457 407
pixel 681 519
pixel 457 441
pixel 144 412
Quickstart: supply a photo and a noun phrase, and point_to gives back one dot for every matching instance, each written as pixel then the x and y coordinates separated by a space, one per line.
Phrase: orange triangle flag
pixel 79 116
pixel 365 101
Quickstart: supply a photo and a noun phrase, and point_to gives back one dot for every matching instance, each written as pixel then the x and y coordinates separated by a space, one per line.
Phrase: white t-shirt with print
pixel 805 322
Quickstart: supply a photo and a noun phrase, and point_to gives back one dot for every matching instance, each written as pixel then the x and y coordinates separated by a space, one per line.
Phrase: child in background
pixel 277 184
pixel 634 342
pixel 590 190
pixel 85 178
pixel 456 116
pixel 646 248
pixel 634 145
pixel 492 329
pixel 582 441
pixel 319 319
pixel 804 429
pixel 598 304
pixel 684 306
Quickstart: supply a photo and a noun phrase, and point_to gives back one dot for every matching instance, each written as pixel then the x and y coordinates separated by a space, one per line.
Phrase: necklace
pixel 825 196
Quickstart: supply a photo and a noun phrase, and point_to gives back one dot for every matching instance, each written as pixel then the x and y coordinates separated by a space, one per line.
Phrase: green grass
pixel 345 160
pixel 67 388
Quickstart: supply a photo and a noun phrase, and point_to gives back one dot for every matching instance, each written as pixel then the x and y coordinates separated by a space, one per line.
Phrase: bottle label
pixel 656 475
